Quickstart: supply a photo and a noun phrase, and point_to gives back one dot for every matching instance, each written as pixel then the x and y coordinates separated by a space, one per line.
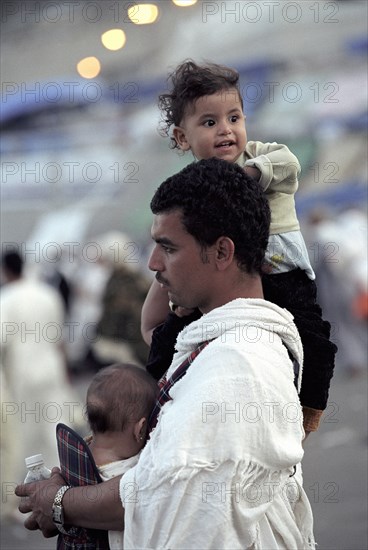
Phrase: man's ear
pixel 180 138
pixel 224 252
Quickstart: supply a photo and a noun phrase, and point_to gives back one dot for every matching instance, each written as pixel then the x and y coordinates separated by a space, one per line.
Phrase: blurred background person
pixel 53 276
pixel 38 393
pixel 340 257
pixel 104 318
pixel 88 281
pixel 117 336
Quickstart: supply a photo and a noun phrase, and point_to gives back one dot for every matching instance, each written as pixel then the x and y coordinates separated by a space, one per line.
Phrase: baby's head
pixel 198 91
pixel 120 399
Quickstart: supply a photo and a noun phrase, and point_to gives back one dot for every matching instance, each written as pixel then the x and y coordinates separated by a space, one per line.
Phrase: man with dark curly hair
pixel 221 469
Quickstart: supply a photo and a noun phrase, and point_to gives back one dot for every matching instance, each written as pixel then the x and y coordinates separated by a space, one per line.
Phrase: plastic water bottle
pixel 36 469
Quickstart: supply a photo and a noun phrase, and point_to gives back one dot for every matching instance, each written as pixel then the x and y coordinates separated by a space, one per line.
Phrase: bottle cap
pixel 35 460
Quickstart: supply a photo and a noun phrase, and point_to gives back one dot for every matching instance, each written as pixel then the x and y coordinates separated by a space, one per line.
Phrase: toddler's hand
pixel 183 311
pixel 253 172
pixel 179 310
pixel 266 268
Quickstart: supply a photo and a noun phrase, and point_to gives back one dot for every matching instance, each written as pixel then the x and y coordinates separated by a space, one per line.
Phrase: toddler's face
pixel 214 127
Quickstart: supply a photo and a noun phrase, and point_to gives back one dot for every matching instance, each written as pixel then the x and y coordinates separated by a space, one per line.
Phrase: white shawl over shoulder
pixel 216 471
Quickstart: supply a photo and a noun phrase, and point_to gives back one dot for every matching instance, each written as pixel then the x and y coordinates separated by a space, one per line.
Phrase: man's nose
pixel 154 263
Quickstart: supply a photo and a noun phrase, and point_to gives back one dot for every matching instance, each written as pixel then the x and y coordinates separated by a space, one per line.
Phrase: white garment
pixel 39 394
pixel 108 471
pixel 288 251
pixel 216 472
pixel 89 283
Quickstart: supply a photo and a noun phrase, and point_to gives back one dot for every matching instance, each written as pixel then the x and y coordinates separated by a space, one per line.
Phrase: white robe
pixel 39 393
pixel 216 472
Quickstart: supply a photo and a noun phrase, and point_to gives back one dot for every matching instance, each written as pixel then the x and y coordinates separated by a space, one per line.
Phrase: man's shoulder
pixel 251 328
pixel 237 322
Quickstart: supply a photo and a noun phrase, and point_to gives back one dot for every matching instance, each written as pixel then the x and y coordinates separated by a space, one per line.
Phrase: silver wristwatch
pixel 57 509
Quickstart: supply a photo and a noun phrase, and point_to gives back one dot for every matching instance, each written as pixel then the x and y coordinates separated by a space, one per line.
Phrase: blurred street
pixel 335 475
pixel 335 468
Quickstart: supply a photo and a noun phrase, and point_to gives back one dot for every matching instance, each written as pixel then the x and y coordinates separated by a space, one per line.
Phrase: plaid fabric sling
pixel 166 385
pixel 78 468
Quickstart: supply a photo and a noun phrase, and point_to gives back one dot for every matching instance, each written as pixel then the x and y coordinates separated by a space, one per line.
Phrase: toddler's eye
pixel 234 118
pixel 209 123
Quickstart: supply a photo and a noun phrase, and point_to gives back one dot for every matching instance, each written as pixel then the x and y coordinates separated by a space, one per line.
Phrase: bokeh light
pixel 89 67
pixel 184 3
pixel 143 14
pixel 114 39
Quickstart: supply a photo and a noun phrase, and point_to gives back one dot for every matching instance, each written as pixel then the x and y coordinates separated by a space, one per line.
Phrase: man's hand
pixel 38 498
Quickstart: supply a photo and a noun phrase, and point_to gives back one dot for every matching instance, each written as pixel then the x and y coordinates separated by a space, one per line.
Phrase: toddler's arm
pixel 278 166
pixel 154 311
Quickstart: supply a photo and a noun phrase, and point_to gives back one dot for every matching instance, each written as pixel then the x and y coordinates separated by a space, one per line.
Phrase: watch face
pixel 57 514
pixel 58 519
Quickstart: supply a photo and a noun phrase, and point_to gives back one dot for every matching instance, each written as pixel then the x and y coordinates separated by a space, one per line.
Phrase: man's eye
pixel 167 249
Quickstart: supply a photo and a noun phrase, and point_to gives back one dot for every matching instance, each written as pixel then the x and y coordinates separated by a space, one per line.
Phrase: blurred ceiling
pixel 316 50
pixel 45 40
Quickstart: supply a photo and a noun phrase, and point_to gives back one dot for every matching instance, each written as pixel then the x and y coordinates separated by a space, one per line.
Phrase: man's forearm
pixel 95 506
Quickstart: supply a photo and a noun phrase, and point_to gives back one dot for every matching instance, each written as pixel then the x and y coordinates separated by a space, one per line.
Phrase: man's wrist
pixel 58 510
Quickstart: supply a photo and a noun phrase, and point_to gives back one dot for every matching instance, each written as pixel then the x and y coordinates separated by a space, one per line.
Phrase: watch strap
pixel 57 509
pixel 60 494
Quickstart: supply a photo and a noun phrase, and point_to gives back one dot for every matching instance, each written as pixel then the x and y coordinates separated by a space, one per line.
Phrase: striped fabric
pixel 166 385
pixel 78 468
